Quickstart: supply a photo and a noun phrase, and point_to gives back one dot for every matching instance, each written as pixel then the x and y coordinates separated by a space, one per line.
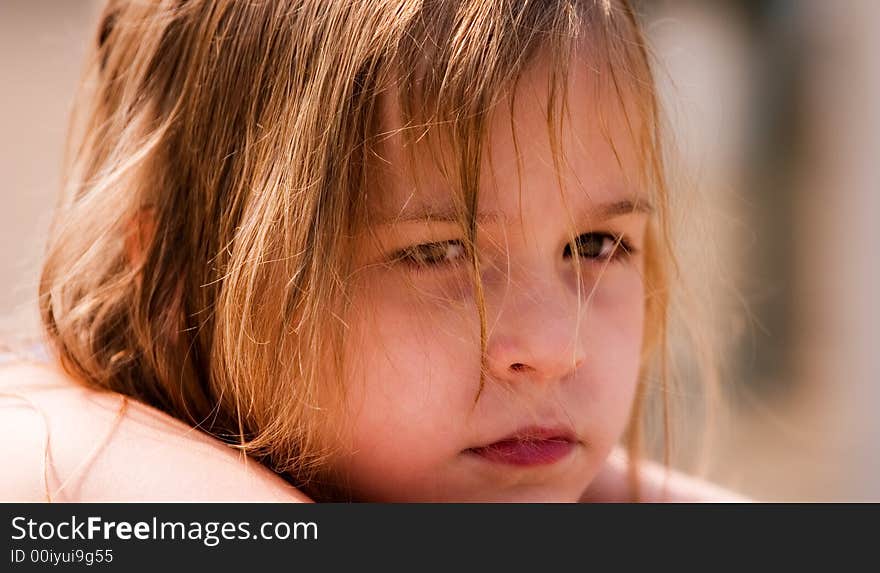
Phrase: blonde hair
pixel 226 145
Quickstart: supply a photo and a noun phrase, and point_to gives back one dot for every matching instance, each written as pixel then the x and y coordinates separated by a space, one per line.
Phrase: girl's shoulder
pixel 657 484
pixel 66 442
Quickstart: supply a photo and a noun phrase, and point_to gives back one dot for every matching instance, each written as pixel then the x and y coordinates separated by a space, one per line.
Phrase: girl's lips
pixel 529 447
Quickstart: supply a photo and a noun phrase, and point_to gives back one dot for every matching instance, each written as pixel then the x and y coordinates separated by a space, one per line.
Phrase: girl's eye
pixel 440 254
pixel 599 247
pixel 432 254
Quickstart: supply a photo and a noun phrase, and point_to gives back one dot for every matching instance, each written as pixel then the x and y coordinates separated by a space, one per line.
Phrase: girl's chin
pixel 524 497
pixel 535 493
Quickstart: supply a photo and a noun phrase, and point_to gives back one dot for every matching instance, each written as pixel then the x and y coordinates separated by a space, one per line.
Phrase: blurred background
pixel 773 106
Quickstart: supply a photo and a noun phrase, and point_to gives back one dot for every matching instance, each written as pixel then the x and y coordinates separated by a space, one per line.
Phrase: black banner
pixel 245 537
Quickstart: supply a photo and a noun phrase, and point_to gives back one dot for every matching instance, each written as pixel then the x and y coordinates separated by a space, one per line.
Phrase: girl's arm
pixel 656 484
pixel 65 442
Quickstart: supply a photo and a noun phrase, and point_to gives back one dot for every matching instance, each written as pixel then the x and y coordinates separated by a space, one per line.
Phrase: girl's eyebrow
pixel 446 214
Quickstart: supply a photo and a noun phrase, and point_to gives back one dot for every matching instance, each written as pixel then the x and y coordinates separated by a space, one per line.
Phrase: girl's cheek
pixel 614 323
pixel 412 330
pixel 450 288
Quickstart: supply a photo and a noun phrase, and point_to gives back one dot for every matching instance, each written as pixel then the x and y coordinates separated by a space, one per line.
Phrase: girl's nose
pixel 535 335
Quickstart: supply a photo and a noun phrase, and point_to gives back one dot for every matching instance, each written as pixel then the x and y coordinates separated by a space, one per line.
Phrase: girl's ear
pixel 139 232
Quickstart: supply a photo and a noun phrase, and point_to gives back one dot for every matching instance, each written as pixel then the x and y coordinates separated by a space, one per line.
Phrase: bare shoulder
pixel 65 442
pixel 657 484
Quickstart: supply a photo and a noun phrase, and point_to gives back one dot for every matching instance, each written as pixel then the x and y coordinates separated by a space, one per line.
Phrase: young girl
pixel 391 250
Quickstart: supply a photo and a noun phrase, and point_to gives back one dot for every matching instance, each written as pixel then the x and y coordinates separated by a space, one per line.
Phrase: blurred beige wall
pixel 818 438
pixel 42 46
pixel 837 286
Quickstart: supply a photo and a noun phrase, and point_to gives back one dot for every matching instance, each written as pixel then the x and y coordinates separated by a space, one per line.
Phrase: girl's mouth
pixel 531 446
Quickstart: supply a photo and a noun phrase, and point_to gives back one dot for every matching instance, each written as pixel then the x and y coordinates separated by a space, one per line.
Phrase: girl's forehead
pixel 585 143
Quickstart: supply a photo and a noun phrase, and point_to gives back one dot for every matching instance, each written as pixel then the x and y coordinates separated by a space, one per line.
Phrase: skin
pixel 557 356
pixel 73 443
pixel 414 405
pixel 99 451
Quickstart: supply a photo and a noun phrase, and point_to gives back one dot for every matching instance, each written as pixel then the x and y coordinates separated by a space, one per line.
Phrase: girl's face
pixel 562 364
